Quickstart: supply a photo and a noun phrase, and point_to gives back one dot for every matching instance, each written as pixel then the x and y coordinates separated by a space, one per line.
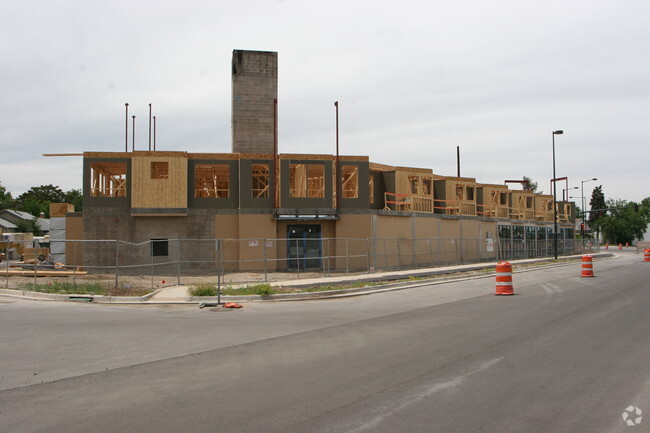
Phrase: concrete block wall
pixel 254 88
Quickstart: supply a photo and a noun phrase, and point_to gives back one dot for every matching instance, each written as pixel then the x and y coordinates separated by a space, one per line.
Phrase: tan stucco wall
pixel 258 233
pixel 352 234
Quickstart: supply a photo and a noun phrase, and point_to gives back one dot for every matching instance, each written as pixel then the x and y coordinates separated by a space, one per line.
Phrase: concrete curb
pixel 79 297
pixel 304 296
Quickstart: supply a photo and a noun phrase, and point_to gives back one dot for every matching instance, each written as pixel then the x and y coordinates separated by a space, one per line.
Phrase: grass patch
pixel 253 289
pixel 63 288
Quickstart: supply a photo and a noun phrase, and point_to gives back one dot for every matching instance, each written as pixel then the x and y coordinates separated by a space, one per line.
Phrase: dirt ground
pixel 158 281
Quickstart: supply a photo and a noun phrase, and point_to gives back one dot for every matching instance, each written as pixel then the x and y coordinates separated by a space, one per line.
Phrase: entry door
pixel 304 246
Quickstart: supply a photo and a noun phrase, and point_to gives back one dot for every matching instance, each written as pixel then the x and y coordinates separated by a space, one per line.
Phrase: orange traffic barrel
pixel 620 246
pixel 646 255
pixel 606 246
pixel 504 279
pixel 587 266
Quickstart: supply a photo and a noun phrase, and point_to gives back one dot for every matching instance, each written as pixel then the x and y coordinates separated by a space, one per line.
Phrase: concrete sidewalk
pixel 391 280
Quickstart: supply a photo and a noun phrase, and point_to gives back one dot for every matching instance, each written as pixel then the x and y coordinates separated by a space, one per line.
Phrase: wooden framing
pixel 108 179
pixel 350 181
pixel 211 181
pixel 492 201
pixel 522 205
pixel 306 180
pixel 260 173
pixel 457 196
pixel 544 208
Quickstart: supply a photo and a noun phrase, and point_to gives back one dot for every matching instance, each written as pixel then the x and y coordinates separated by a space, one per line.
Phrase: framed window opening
pixel 350 181
pixel 160 170
pixel 108 179
pixel 307 180
pixel 212 181
pixel 260 180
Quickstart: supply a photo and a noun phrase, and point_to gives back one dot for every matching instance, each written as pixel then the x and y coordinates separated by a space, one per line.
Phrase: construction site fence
pixel 166 262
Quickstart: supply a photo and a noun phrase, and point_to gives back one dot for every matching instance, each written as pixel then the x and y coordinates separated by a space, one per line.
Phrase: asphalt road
pixel 566 354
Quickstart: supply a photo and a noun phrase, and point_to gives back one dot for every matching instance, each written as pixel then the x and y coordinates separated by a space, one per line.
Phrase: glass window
pixel 212 181
pixel 108 179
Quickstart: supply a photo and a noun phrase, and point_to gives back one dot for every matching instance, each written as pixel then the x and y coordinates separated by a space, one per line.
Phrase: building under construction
pixel 257 193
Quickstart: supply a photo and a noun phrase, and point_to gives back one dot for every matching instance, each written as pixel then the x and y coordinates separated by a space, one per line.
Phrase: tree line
pixel 619 221
pixel 38 199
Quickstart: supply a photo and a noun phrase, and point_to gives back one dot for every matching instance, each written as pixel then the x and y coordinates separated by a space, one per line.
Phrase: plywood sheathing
pixel 373 166
pixel 522 205
pixel 170 192
pixel 543 207
pixel 460 193
pixel 60 209
pixel 489 200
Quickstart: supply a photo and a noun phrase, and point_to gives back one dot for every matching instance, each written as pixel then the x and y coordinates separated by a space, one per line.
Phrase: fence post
pixel 74 267
pixel 415 252
pixel 151 254
pixel 7 261
pixel 323 263
pixel 368 249
pixel 265 270
pixel 399 255
pixel 117 264
pixel 35 262
pixel 298 258
pixel 218 271
pixel 347 258
pixel 178 262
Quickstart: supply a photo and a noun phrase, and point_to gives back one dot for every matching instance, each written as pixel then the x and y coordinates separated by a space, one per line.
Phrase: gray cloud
pixel 414 79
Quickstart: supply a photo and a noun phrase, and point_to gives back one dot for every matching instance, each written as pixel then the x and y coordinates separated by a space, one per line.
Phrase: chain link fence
pixel 163 262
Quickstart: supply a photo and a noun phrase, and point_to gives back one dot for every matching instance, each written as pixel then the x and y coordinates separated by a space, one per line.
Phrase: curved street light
pixel 584 205
pixel 555 234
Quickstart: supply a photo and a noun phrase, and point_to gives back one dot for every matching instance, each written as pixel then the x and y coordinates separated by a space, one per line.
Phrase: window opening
pixel 212 181
pixel 413 183
pixel 426 186
pixel 260 180
pixel 108 179
pixel 307 180
pixel 159 247
pixel 160 170
pixel 350 181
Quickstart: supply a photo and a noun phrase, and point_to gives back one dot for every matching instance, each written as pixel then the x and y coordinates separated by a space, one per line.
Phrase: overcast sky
pixel 414 79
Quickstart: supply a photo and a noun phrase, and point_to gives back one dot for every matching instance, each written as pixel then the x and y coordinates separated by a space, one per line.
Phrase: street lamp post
pixel 558 132
pixel 584 205
pixel 565 193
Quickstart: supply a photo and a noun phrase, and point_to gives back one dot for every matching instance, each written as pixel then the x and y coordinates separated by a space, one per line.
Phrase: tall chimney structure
pixel 254 89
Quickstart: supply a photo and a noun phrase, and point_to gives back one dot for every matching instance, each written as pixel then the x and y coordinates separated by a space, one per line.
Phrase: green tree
pixel 28 226
pixel 38 199
pixel 624 223
pixel 598 208
pixel 6 200
pixel 75 198
pixel 529 185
